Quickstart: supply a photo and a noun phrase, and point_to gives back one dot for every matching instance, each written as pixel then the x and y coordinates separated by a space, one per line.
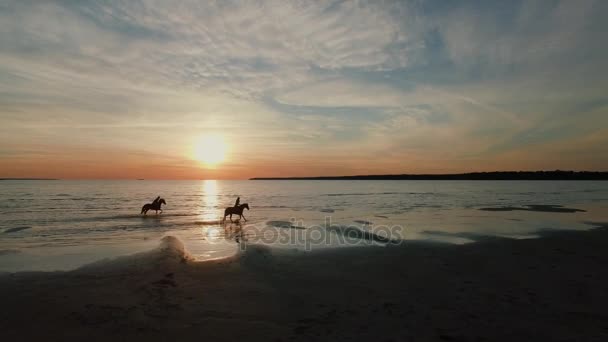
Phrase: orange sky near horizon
pixel 96 163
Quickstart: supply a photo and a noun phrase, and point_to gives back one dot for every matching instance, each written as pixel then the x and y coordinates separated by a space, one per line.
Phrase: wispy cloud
pixel 449 85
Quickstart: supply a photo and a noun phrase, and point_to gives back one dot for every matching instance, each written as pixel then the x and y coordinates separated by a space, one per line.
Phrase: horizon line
pixel 354 177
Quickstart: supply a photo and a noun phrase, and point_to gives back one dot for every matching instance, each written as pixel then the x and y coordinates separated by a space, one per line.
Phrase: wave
pixel 436 206
pixel 536 207
pixel 363 222
pixel 89 199
pixel 16 229
pixel 354 232
pixel 282 224
pixel 592 190
pixel 382 193
pixel 208 222
pixel 117 217
pixel 161 215
pixel 169 254
pixel 9 251
pixel 364 194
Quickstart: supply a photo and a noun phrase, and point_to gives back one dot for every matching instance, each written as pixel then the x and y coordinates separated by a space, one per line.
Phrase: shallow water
pixel 60 225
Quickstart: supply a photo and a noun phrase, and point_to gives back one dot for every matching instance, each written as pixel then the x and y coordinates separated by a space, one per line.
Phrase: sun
pixel 210 149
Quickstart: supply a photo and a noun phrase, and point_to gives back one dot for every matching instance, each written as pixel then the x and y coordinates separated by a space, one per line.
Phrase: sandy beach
pixel 553 288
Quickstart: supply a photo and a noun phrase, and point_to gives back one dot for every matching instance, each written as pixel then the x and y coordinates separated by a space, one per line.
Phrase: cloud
pixel 438 81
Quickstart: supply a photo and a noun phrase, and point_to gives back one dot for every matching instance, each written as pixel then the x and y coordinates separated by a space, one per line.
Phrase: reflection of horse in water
pixel 236 210
pixel 234 232
pixel 153 206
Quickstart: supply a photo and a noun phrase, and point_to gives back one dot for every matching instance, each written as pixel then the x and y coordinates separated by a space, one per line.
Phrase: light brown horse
pixel 238 210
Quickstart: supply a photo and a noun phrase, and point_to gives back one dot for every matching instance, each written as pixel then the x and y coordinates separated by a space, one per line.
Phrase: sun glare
pixel 210 149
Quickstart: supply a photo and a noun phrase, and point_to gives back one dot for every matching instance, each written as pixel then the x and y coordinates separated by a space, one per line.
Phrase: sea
pixel 60 225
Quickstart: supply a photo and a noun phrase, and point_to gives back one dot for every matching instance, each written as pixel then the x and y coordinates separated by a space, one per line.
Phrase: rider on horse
pixel 236 210
pixel 155 205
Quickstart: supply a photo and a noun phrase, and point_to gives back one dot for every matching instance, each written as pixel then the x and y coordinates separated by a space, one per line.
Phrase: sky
pixel 130 88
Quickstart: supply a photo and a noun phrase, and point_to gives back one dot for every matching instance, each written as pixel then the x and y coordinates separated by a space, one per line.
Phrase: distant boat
pixel 140 179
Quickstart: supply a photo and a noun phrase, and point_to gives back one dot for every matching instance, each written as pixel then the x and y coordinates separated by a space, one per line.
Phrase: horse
pixel 238 210
pixel 153 206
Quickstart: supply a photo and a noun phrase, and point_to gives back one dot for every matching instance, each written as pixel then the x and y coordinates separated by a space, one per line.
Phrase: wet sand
pixel 554 288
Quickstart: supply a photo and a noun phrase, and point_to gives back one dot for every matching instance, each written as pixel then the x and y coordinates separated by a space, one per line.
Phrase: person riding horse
pixel 236 210
pixel 155 205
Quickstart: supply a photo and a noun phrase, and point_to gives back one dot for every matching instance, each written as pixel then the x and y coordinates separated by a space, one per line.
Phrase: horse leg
pixel 243 216
pixel 230 217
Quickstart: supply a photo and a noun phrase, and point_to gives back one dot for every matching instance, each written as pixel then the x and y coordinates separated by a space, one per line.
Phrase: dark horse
pixel 153 206
pixel 237 210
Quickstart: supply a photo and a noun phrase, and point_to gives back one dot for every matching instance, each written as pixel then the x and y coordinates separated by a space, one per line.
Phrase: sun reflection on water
pixel 210 211
pixel 210 201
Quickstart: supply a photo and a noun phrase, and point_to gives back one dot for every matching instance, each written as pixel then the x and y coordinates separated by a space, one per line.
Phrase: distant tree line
pixel 496 175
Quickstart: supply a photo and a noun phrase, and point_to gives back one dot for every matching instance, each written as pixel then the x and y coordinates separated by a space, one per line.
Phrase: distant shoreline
pixel 498 175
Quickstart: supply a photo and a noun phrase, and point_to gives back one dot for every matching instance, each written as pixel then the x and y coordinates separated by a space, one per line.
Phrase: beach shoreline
pixel 551 288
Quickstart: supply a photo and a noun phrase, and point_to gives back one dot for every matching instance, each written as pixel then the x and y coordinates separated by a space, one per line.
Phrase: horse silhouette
pixel 153 206
pixel 237 210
